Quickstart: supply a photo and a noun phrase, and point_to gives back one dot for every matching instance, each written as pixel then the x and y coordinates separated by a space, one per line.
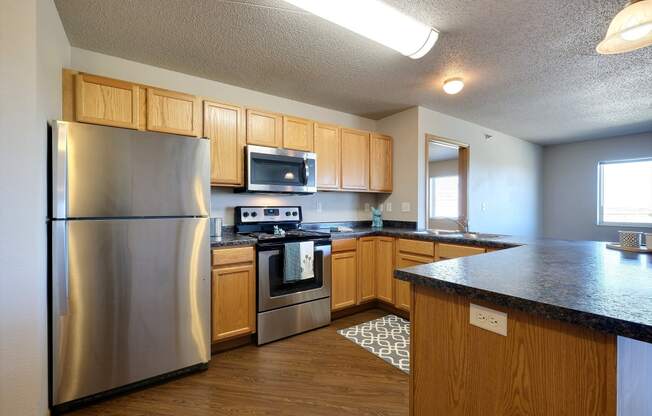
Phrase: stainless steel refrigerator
pixel 129 278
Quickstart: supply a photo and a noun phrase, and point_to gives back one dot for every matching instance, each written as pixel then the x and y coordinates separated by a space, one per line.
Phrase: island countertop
pixel 579 282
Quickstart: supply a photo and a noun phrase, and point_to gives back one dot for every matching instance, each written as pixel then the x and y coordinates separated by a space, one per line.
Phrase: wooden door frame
pixel 463 157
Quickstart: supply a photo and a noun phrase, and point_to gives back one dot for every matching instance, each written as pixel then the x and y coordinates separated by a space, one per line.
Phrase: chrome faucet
pixel 463 223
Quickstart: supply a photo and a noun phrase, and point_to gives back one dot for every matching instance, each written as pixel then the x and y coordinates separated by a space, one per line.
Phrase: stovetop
pixel 294 235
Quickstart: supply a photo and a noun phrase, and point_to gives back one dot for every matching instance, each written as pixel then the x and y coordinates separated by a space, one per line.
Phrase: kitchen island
pixel 579 324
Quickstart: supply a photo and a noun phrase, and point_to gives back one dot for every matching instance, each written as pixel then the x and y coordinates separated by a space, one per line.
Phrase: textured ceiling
pixel 530 66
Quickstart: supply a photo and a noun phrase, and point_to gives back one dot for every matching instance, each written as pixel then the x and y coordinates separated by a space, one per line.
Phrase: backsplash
pixel 319 207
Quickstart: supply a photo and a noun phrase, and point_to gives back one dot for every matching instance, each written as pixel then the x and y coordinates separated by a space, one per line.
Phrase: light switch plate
pixel 388 206
pixel 366 206
pixel 489 319
pixel 405 207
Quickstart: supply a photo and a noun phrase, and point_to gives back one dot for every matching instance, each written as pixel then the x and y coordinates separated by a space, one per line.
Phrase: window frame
pixel 600 207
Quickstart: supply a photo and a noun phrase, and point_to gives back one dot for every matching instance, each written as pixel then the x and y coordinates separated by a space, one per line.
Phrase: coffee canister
pixel 630 238
pixel 216 227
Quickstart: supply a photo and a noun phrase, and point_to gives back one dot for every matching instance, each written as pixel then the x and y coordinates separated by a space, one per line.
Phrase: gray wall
pixel 570 185
pixel 504 175
pixel 33 48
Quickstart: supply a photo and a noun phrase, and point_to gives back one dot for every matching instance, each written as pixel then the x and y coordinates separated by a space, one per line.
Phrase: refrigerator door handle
pixel 60 283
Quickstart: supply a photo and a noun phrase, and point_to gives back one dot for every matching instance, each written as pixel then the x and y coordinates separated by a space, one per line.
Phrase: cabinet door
pixel 298 134
pixel 234 301
pixel 380 163
pixel 106 101
pixel 328 149
pixel 264 129
pixel 452 251
pixel 223 125
pixel 173 112
pixel 384 264
pixel 355 160
pixel 403 290
pixel 367 269
pixel 344 280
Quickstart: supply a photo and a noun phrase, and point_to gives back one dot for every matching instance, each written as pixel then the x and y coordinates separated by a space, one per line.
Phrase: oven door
pixel 273 293
pixel 280 170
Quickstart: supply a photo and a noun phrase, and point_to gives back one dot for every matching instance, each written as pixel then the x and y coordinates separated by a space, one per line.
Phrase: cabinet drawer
pixel 423 248
pixel 350 244
pixel 451 251
pixel 227 256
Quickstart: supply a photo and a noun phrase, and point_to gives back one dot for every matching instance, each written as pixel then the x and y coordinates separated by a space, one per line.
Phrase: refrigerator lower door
pixel 130 301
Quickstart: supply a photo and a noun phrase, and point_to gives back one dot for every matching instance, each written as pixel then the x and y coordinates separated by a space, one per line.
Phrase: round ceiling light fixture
pixel 631 29
pixel 453 86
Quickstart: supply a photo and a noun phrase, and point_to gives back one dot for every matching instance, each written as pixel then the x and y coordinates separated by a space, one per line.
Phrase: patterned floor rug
pixel 387 337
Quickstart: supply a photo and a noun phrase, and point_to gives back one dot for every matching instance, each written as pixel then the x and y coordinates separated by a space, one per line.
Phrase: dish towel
pixel 299 259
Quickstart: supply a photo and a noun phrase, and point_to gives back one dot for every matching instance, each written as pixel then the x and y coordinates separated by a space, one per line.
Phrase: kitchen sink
pixel 454 233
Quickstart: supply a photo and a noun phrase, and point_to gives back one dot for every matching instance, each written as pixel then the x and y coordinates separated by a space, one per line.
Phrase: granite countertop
pixel 231 239
pixel 580 282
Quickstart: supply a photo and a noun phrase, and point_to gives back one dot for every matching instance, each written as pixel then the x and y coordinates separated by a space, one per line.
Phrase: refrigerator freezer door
pixel 130 301
pixel 100 171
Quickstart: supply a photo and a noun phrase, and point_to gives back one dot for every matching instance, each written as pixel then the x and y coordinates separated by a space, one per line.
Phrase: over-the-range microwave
pixel 280 170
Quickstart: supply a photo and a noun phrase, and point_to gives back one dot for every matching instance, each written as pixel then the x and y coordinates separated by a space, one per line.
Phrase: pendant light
pixel 631 29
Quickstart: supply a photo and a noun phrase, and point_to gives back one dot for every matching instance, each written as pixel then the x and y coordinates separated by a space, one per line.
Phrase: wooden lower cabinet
pixel 410 253
pixel 344 291
pixel 367 269
pixel 233 293
pixel 452 251
pixel 384 266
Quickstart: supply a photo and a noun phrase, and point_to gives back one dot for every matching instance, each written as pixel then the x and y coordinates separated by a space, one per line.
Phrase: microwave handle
pixel 306 172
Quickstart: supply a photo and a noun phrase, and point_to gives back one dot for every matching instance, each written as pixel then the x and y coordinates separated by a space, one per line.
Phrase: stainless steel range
pixel 294 271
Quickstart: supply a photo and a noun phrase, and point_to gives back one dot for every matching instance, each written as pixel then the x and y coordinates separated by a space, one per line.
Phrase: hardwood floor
pixel 317 373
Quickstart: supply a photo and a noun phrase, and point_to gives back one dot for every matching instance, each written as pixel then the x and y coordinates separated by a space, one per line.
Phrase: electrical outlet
pixel 366 206
pixel 405 207
pixel 388 206
pixel 380 207
pixel 319 207
pixel 489 319
pixel 483 206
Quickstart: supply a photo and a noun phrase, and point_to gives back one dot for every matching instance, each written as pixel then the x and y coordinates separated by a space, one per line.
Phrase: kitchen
pixel 343 162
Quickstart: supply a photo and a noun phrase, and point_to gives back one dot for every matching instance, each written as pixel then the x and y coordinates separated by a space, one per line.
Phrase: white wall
pixel 570 185
pixel 33 48
pixel 343 207
pixel 403 127
pixel 504 175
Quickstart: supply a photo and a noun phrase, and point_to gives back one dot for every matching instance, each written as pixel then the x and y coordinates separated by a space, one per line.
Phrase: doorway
pixel 447 171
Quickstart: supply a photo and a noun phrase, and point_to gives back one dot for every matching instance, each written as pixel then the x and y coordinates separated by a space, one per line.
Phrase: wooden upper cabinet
pixel 106 101
pixel 298 134
pixel 355 160
pixel 264 129
pixel 173 112
pixel 328 149
pixel 224 126
pixel 380 163
pixel 384 269
pixel 367 269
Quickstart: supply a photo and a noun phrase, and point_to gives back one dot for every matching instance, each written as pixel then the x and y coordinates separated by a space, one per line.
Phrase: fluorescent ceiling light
pixel 377 21
pixel 631 29
pixel 453 86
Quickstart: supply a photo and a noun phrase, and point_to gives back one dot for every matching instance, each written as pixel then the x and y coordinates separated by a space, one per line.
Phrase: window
pixel 444 197
pixel 625 192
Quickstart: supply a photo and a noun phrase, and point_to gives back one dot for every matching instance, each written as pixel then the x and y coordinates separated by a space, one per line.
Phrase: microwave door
pixel 280 170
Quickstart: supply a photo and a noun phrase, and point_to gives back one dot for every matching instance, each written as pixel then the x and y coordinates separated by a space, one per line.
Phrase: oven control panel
pixel 267 214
